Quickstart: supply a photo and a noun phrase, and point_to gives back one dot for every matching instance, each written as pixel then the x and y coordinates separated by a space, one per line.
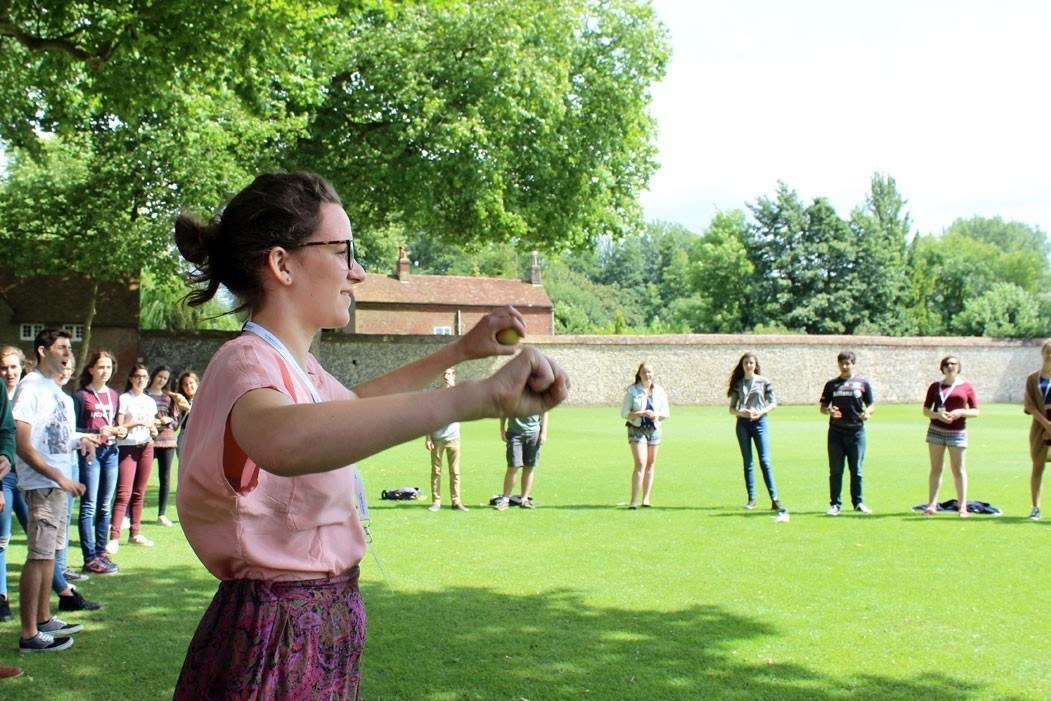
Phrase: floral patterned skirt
pixel 281 641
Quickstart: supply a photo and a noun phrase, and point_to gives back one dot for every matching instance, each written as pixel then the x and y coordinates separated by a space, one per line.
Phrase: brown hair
pixel 738 372
pixel 85 375
pixel 182 377
pixel 638 373
pixel 277 209
pixel 959 363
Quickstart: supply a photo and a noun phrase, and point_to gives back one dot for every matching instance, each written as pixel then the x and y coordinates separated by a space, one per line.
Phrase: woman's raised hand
pixel 531 383
pixel 481 342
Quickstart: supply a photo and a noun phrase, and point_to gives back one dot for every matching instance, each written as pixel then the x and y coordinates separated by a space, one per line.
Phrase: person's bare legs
pixel 509 480
pixel 958 464
pixel 638 454
pixel 934 482
pixel 1036 481
pixel 527 482
pixel 647 479
pixel 34 594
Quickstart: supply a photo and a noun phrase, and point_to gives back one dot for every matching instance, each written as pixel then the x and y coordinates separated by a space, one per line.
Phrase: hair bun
pixel 195 239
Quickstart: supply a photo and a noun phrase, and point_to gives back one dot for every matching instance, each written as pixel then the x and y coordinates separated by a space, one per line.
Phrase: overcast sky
pixel 952 99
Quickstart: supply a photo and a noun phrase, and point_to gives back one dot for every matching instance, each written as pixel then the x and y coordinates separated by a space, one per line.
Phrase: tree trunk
pixel 89 319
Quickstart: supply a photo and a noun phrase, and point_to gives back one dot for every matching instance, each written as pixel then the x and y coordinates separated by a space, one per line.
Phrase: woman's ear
pixel 277 265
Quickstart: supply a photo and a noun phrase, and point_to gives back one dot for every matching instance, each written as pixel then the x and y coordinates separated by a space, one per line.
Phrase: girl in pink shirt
pixel 267 479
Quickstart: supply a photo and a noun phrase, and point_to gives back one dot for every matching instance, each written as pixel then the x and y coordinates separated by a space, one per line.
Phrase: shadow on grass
pixel 460 643
pixel 471 643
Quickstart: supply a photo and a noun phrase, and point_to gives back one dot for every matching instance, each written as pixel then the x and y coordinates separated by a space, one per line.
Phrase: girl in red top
pixel 949 403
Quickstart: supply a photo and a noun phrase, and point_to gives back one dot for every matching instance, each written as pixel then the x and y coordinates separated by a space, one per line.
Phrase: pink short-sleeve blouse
pixel 271 527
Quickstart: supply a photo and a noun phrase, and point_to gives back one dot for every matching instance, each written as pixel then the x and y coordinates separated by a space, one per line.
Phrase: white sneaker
pixel 862 508
pixel 1035 515
pixel 112 546
pixel 436 506
pixel 140 539
pixel 832 511
pixel 165 521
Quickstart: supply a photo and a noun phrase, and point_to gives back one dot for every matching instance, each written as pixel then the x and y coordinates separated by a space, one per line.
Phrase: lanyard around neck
pixel 943 396
pixel 282 350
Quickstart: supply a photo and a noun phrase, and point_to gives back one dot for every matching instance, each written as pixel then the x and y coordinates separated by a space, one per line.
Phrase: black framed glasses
pixel 351 256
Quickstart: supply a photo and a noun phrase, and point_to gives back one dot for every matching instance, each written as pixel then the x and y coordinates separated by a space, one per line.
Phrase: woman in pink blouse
pixel 267 480
pixel 948 404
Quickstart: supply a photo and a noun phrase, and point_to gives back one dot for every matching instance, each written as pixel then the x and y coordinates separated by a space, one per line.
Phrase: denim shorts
pixel 649 436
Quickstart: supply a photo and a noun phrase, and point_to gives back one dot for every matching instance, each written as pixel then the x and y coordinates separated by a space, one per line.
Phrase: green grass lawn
pixel 694 599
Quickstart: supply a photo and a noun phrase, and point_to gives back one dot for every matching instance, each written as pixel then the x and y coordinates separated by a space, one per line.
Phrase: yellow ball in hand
pixel 508 337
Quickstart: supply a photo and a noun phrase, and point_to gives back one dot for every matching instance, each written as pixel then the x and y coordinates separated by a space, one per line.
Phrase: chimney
pixel 403 264
pixel 534 270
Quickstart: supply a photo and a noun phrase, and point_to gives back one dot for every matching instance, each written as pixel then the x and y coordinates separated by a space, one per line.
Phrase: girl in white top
pixel 645 407
pixel 137 412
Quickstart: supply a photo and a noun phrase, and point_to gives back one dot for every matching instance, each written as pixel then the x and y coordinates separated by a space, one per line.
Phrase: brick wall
pixel 422 319
pixel 694 369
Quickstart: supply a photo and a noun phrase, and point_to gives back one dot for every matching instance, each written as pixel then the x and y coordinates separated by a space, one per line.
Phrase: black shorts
pixel 523 449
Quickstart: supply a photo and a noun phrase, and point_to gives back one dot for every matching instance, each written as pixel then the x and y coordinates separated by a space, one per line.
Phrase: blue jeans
pixel 99 477
pixel 849 446
pixel 14 504
pixel 747 433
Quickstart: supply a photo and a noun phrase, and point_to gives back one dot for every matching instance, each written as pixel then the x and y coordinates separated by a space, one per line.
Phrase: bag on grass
pixel 401 494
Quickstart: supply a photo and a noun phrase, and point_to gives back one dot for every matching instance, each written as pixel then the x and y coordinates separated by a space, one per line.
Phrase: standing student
pixel 167 419
pixel 523 437
pixel 751 399
pixel 137 413
pixel 95 404
pixel 645 407
pixel 445 442
pixel 266 469
pixel 948 404
pixel 44 438
pixel 1038 405
pixel 11 502
pixel 848 401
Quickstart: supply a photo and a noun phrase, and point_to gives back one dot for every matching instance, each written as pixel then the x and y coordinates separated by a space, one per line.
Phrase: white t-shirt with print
pixel 137 409
pixel 42 404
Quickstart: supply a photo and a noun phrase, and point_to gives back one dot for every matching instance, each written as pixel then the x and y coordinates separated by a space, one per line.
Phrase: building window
pixel 28 332
pixel 76 331
pixel 443 331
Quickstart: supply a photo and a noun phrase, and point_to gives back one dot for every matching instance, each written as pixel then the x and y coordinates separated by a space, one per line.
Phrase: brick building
pixel 31 304
pixel 445 304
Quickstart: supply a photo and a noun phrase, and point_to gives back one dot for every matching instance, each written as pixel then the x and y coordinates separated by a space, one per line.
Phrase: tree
pixel 721 278
pixel 495 120
pixel 882 229
pixel 1005 310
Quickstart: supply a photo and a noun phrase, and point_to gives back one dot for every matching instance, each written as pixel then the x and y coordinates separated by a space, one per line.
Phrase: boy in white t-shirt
pixel 45 438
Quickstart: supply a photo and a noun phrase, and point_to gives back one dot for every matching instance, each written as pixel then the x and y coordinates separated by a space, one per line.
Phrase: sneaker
pixel 436 506
pixel 42 642
pixel 502 503
pixel 55 626
pixel 750 505
pixel 460 507
pixel 5 610
pixel 76 602
pixel 832 511
pixel 862 509
pixel 527 503
pixel 71 576
pixel 1035 515
pixel 101 565
pixel 112 546
pixel 164 521
pixel 140 539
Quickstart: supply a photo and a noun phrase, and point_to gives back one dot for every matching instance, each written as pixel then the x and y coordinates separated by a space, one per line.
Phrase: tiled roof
pixel 458 290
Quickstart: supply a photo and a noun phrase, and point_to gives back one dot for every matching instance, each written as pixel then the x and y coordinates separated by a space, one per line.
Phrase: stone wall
pixel 693 368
